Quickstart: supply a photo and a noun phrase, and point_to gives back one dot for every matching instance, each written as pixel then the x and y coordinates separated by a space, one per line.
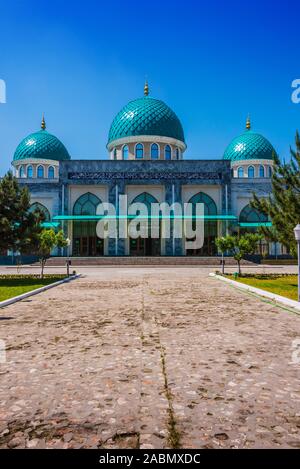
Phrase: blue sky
pixel 211 62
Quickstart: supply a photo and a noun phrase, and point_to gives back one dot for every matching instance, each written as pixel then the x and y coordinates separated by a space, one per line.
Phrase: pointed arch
pixel 29 171
pixel 240 173
pixel 154 151
pixel 40 207
pixel 261 171
pixel 125 152
pixel 210 207
pixel 210 225
pixel 139 151
pixel 168 152
pixel 51 173
pixel 40 172
pixel 270 171
pixel 147 199
pixel 251 172
pixel 251 215
pixel 86 204
pixel 21 172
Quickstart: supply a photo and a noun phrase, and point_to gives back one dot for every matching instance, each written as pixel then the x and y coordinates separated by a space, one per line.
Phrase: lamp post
pixel 68 262
pixel 297 238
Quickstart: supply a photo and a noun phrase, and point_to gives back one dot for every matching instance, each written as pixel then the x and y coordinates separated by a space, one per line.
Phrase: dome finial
pixel 43 124
pixel 248 123
pixel 146 88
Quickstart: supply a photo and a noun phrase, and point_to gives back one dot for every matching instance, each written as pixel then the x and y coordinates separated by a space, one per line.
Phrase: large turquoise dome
pixel 249 146
pixel 146 116
pixel 41 145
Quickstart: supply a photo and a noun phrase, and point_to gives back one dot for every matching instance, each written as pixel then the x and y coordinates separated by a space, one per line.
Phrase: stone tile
pixel 148 357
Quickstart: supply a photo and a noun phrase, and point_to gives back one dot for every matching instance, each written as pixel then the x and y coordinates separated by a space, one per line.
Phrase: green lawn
pixel 285 285
pixel 11 286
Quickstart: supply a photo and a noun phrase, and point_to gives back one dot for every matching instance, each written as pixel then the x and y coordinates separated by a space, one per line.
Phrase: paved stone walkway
pixel 137 357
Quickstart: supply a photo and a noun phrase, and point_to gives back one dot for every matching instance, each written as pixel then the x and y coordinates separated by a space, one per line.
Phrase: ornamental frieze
pixel 157 175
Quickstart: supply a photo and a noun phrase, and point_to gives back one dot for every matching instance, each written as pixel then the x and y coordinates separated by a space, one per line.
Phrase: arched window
pixel 240 172
pixel 251 215
pixel 139 151
pixel 51 172
pixel 29 172
pixel 210 207
pixel 86 204
pixel 177 154
pixel 168 152
pixel 147 199
pixel 40 171
pixel 261 171
pixel 125 152
pixel 270 171
pixel 36 206
pixel 21 172
pixel 210 224
pixel 251 172
pixel 154 151
pixel 115 153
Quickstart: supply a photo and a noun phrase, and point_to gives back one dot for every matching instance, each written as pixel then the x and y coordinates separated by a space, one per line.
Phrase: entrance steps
pixel 158 261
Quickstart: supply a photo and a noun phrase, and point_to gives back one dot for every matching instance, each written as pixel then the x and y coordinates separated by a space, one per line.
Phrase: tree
pixel 224 244
pixel 283 206
pixel 46 241
pixel 244 245
pixel 17 224
pixel 239 245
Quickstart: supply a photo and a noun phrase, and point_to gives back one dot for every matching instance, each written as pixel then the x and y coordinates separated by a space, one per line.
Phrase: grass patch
pixel 284 285
pixel 14 285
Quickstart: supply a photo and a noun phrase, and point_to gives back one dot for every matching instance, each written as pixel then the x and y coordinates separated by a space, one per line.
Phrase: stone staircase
pixel 143 261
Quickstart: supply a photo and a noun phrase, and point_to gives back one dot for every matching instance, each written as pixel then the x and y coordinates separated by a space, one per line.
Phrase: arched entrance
pixel 85 240
pixel 145 246
pixel 210 226
pixel 36 206
pixel 250 218
pixel 251 215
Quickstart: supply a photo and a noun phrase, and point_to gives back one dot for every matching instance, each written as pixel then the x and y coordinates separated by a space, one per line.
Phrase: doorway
pixel 85 241
pixel 144 247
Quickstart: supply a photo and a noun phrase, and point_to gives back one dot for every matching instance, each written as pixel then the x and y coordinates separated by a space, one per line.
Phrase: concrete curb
pixel 258 291
pixel 15 299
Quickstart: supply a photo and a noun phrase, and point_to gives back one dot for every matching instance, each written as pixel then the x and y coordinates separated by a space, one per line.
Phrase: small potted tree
pixel 48 240
pixel 224 244
pixel 244 245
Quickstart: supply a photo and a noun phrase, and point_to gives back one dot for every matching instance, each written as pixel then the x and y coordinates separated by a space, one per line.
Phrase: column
pixel 173 246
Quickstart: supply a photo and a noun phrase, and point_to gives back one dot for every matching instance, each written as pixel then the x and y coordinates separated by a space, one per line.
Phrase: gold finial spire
pixel 248 123
pixel 43 124
pixel 146 88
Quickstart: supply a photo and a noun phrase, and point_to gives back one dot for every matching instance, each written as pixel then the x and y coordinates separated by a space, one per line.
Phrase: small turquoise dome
pixel 41 145
pixel 146 116
pixel 249 146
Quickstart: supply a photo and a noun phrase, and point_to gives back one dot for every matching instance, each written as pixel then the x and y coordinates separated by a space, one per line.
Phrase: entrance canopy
pixel 255 225
pixel 99 217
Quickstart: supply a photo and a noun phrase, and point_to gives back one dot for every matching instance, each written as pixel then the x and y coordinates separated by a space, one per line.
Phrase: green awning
pixel 99 217
pixel 77 217
pixel 255 225
pixel 49 224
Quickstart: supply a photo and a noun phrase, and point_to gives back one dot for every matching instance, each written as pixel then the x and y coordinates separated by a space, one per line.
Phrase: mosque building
pixel 146 146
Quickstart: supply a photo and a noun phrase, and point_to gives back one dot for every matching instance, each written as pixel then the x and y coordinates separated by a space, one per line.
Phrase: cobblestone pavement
pixel 147 357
